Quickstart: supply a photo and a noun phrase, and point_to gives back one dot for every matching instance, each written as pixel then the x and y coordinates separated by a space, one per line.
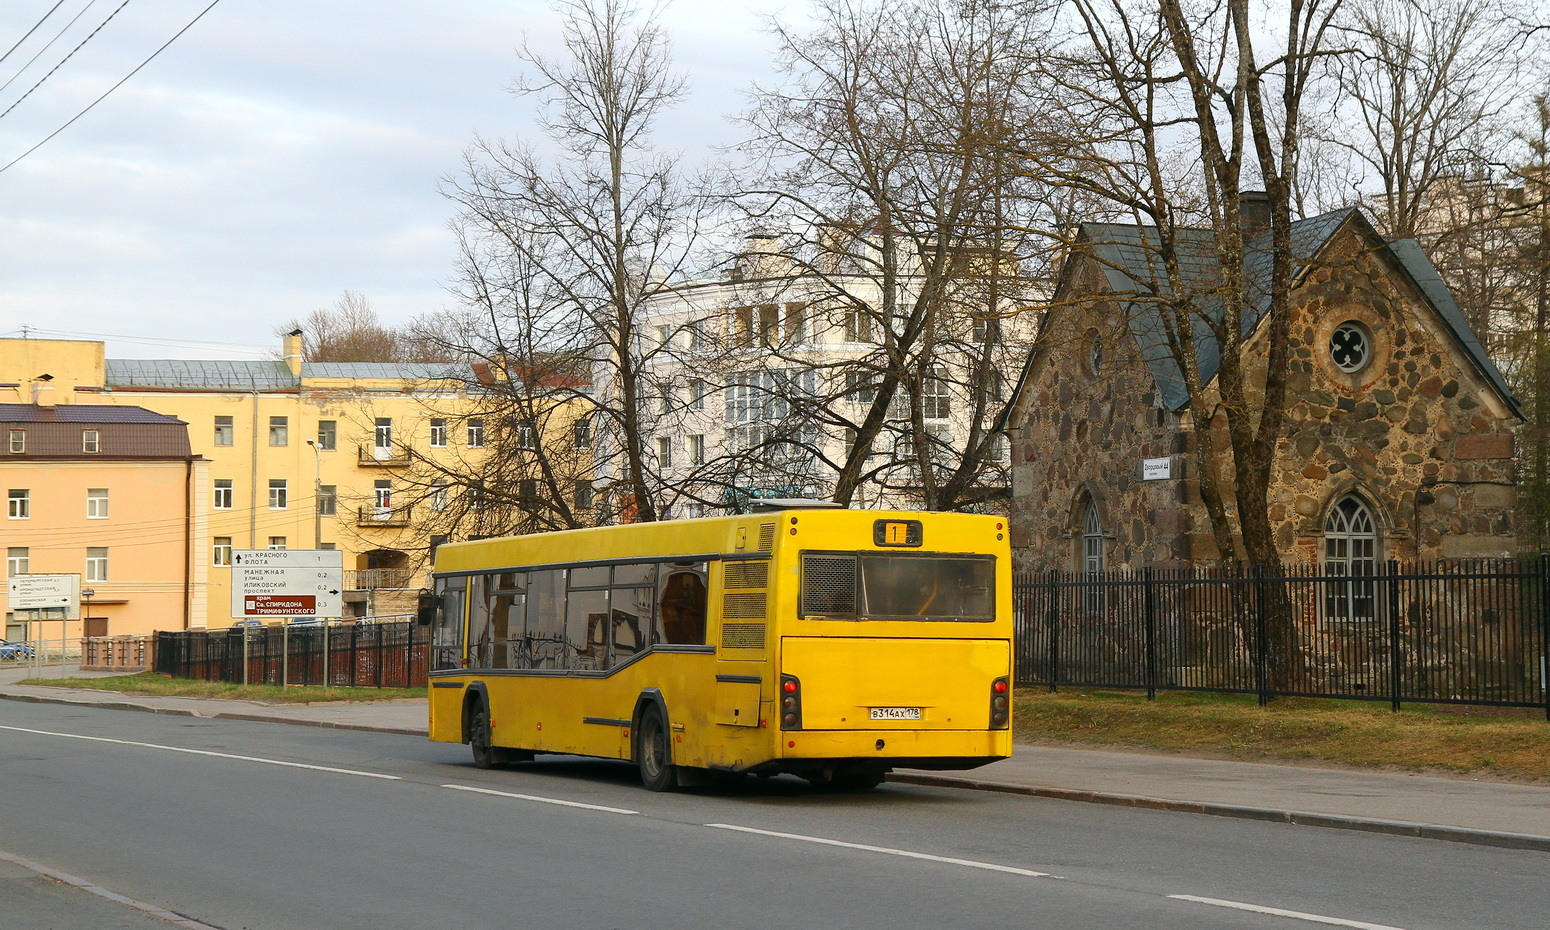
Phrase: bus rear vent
pixel 828 585
pixel 766 537
pixel 749 606
pixel 747 575
pixel 742 635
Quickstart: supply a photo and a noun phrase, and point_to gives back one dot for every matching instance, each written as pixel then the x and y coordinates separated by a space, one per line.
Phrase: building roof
pixel 182 374
pixel 83 413
pixel 1131 265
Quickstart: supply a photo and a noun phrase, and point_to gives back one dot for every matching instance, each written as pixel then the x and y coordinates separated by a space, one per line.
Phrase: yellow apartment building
pixel 113 495
pixel 300 455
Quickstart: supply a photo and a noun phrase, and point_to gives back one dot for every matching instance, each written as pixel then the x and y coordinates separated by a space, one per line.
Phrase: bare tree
pixel 886 162
pixel 349 331
pixel 592 216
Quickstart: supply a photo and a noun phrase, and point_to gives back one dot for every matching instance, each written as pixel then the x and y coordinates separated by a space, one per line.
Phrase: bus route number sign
pixel 897 533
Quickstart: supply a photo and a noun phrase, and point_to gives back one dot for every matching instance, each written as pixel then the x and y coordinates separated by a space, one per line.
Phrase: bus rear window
pixel 895 586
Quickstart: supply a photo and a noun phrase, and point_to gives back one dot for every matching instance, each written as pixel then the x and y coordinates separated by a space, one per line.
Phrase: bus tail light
pixel 1000 703
pixel 790 703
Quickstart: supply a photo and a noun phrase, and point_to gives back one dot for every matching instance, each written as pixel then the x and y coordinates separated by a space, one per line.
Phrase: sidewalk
pixel 1457 810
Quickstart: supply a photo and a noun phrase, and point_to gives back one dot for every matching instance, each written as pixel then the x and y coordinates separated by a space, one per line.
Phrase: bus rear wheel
pixel 653 752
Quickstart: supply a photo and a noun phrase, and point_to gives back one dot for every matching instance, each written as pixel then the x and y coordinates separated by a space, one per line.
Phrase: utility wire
pixel 35 28
pixel 110 90
pixel 61 64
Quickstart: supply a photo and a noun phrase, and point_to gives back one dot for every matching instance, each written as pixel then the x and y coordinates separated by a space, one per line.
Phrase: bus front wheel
pixel 486 756
pixel 653 752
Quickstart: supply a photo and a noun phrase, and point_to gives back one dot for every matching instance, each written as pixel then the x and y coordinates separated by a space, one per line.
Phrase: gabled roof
pixel 1128 258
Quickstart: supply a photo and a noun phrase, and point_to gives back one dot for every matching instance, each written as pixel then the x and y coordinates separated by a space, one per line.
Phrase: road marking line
pixel 1278 912
pixel 541 800
pixel 187 923
pixel 207 752
pixel 971 863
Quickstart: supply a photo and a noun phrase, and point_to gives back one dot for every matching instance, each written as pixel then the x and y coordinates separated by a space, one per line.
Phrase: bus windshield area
pixel 896 586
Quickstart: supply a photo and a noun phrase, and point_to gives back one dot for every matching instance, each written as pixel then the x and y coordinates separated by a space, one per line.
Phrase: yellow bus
pixel 828 643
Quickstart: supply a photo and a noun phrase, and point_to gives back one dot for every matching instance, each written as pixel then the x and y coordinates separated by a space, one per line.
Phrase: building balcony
pixel 370 579
pixel 383 516
pixel 373 456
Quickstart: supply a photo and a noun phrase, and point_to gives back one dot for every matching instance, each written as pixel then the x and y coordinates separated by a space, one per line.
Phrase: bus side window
pixel 544 643
pixel 683 606
pixel 447 634
pixel 480 647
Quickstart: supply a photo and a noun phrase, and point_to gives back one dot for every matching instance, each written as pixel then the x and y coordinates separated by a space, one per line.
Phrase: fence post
pixel 1544 630
pixel 1149 607
pixel 1054 628
pixel 1396 654
pixel 1261 636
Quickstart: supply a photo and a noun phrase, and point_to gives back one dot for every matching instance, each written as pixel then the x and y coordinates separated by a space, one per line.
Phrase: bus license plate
pixel 895 713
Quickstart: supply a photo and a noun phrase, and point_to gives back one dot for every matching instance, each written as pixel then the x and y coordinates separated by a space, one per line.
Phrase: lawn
pixel 1420 738
pixel 163 686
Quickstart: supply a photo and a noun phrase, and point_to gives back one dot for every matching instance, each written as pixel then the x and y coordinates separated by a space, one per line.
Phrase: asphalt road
pixel 237 824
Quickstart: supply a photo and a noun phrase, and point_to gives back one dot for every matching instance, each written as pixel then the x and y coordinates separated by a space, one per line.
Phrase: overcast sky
pixel 276 154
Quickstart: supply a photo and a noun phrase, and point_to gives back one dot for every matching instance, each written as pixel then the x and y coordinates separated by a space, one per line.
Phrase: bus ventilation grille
pixel 747 575
pixel 766 537
pixel 828 585
pixel 743 606
pixel 742 636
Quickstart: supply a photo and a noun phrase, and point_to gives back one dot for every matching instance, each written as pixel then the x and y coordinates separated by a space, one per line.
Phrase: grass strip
pixel 1352 733
pixel 152 683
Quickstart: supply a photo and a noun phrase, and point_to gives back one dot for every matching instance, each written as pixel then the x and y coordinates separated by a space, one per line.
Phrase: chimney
pixel 1253 213
pixel 293 351
pixel 43 392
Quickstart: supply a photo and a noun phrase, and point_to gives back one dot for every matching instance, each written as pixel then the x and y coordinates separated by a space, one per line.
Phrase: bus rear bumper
pixel 804 751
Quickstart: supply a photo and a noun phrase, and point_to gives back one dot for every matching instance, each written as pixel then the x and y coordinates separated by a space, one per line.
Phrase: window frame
pixel 96 563
pixel 279 431
pixel 18 504
pixel 97 504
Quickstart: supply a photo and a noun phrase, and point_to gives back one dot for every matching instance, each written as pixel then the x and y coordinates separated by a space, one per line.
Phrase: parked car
pixel 10 650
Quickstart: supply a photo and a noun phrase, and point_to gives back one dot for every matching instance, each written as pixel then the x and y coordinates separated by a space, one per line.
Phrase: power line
pixel 61 64
pixel 35 28
pixel 110 90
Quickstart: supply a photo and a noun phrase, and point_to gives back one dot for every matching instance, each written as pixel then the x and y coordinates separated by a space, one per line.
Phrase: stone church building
pixel 1399 432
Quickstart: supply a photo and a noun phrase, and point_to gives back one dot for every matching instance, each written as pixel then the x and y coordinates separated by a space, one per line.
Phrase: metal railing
pixel 373 655
pixel 1458 632
pixel 366 579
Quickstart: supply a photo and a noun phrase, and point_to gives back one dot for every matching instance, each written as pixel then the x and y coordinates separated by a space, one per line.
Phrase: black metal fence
pixel 1461 632
pixel 371 655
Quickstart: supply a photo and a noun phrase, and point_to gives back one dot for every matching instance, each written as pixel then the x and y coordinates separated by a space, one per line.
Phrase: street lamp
pixel 317 495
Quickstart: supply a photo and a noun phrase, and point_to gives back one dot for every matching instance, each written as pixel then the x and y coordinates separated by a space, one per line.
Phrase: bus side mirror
pixel 427 608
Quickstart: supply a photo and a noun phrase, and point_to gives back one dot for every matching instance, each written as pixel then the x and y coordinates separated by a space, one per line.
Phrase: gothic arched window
pixel 1350 560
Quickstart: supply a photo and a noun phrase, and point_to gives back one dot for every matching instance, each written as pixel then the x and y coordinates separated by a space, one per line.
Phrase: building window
pixel 18 504
pixel 439 496
pixel 328 499
pixel 96 503
pixel 697 391
pixel 222 494
pixel 382 498
pixel 697 450
pixel 476 434
pixel 224 431
pixel 220 551
pixel 382 438
pixel 279 431
pixel 584 433
pixel 858 325
pixel 936 401
pixel 91 441
pixel 18 441
pixel 278 495
pixel 438 433
pixel 527 436
pixel 277 542
pixel 1350 561
pixel 97 563
pixel 584 495
pixel 1092 560
pixel 527 489
pixel 1094 354
pixel 1350 347
pixel 664 452
pixel 18 560
pixel 328 435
